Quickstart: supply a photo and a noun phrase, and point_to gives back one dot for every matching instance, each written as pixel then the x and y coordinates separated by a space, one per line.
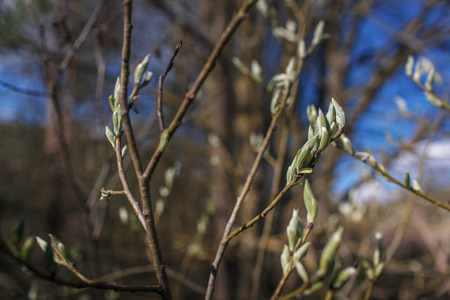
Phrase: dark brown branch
pixel 21 90
pixel 144 186
pixel 161 81
pixel 160 107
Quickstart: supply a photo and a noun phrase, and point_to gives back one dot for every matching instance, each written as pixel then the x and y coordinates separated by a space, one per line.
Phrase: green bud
pixel 305 171
pixel 368 269
pixel 310 203
pixel 111 101
pixel 164 140
pixel 326 263
pixel 148 77
pixel 347 145
pixel 324 141
pixel 110 136
pixel 318 33
pixel 379 255
pixel 256 72
pixel 407 179
pixel 342 277
pixel 240 65
pixel 124 150
pixel 285 259
pixel 294 230
pixel 116 94
pixel 340 115
pixel 140 69
pixel 416 187
pixel 313 288
pixel 301 48
pixel 301 271
pixel 27 248
pixel 301 252
pixel 409 66
pixel 311 113
pixel 433 99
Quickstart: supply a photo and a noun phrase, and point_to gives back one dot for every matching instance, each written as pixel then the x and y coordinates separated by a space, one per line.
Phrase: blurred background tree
pixel 59 63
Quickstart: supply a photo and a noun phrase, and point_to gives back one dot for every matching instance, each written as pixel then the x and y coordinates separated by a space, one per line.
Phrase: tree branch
pixel 192 93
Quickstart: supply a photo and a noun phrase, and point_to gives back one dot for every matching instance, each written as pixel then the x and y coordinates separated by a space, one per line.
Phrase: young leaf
pixel 294 230
pixel 342 277
pixel 17 236
pixel 111 101
pixel 313 288
pixel 324 141
pixel 164 140
pixel 402 107
pixel 326 263
pixel 290 69
pixel 285 258
pixel 117 122
pixel 416 186
pixel 311 113
pixel 430 79
pixel 304 152
pixel 301 252
pixel 310 203
pixel 318 33
pixel 124 150
pixel 305 171
pixel 27 248
pixel 330 117
pixel 256 72
pixel 240 65
pixel 340 115
pixel 368 269
pixel 347 145
pixel 409 66
pixel 433 99
pixel 379 255
pixel 407 180
pixel 301 271
pixel 418 71
pixel 116 94
pixel 148 77
pixel 42 244
pixel 140 69
pixel 301 48
pixel 275 102
pixel 110 136
pixel 290 174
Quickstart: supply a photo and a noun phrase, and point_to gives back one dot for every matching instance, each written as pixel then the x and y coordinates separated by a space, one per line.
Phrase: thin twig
pixel 430 90
pixel 159 103
pixel 20 90
pixel 126 189
pixel 192 285
pixel 390 178
pixel 80 284
pixel 161 81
